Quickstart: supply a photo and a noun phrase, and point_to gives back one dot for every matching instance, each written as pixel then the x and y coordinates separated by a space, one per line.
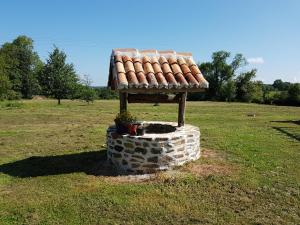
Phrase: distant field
pixel 52 166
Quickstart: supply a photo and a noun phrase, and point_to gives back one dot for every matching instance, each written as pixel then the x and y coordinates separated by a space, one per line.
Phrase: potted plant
pixel 125 123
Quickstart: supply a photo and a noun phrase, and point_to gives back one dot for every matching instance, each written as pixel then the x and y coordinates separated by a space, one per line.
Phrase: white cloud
pixel 256 60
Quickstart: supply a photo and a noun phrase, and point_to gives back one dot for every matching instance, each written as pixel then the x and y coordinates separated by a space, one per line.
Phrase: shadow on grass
pixel 92 163
pixel 297 122
pixel 287 131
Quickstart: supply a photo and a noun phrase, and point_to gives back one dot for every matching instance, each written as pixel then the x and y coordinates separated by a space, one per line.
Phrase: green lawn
pixel 52 167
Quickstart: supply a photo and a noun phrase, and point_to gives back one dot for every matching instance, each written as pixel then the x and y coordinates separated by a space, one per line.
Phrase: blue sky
pixel 266 32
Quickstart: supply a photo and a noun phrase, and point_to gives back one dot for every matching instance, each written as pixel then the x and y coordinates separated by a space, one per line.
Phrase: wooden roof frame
pixel 133 97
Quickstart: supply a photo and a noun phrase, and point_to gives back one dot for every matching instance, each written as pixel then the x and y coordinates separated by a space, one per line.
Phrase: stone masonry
pixel 153 152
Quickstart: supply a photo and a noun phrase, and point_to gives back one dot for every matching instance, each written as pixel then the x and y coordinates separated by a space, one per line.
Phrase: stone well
pixel 163 146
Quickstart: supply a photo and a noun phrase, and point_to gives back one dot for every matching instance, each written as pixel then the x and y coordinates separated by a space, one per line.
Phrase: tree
pixel 280 85
pixel 20 61
pixel 58 78
pixel 4 81
pixel 247 89
pixel 228 90
pixel 294 94
pixel 88 94
pixel 219 71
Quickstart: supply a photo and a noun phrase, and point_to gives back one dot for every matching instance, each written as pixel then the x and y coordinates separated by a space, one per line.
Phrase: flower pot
pixel 122 128
pixel 140 131
pixel 132 129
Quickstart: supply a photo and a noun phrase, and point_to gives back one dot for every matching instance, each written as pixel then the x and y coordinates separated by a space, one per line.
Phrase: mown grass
pixel 51 155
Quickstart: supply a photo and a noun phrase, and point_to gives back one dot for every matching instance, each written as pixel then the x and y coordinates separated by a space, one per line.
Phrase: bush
pixel 11 104
pixel 106 93
pixel 125 118
pixel 294 94
pixel 88 94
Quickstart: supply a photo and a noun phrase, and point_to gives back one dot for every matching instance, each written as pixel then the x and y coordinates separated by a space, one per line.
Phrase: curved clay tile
pixel 138 67
pixel 120 67
pixel 136 59
pixel 202 82
pixel 172 60
pixel 190 62
pixel 191 79
pixel 194 69
pixel 146 59
pixel 176 68
pixel 123 83
pixel 185 69
pixel 171 80
pixel 118 58
pixel 166 68
pixel 162 60
pixel 126 58
pixel 198 75
pixel 142 79
pixel 161 80
pixel 156 68
pixel 181 80
pixel 129 66
pixel 148 68
pixel 154 60
pixel 181 61
pixel 131 78
pixel 151 80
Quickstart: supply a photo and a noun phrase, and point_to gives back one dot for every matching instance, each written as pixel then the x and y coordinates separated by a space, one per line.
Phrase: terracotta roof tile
pixel 142 79
pixel 176 68
pixel 185 69
pixel 166 68
pixel 132 79
pixel 120 67
pixel 148 67
pixel 181 61
pixel 131 68
pixel 156 68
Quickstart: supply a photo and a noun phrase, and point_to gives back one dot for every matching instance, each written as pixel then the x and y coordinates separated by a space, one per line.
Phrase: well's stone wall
pixel 153 152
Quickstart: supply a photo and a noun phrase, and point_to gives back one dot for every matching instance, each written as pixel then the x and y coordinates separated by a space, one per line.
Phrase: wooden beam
pixel 123 101
pixel 153 98
pixel 181 109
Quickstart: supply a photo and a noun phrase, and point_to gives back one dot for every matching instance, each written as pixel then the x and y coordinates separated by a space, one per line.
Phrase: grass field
pixel 52 167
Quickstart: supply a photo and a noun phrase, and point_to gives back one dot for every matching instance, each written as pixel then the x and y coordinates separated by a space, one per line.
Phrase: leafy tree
pixel 219 71
pixel 106 93
pixel 228 90
pixel 20 61
pixel 294 94
pixel 280 85
pixel 88 94
pixel 5 85
pixel 247 89
pixel 58 78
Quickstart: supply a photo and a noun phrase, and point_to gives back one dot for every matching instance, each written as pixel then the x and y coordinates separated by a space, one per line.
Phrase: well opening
pixel 158 128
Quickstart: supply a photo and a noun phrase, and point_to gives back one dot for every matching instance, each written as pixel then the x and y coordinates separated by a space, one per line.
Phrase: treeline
pixel 23 75
pixel 229 82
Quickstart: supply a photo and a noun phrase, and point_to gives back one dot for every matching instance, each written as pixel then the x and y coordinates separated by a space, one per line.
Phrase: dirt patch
pixel 212 154
pixel 131 178
pixel 215 164
pixel 209 169
pixel 39 97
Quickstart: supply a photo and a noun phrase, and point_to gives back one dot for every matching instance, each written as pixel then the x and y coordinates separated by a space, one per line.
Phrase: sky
pixel 266 32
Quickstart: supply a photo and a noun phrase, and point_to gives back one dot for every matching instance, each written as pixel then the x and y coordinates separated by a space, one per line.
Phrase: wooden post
pixel 123 101
pixel 181 109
